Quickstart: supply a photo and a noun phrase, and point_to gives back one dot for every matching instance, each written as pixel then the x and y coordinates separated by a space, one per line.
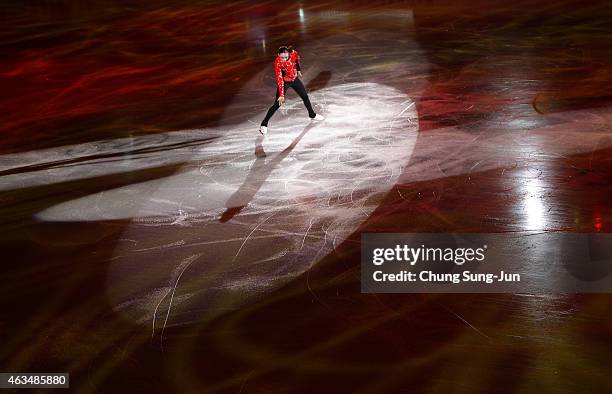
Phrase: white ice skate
pixel 263 130
pixel 318 117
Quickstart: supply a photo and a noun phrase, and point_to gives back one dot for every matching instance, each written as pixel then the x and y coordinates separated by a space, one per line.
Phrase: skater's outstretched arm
pixel 280 82
pixel 298 62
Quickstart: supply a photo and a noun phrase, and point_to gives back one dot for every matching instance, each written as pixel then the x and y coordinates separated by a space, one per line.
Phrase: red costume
pixel 286 70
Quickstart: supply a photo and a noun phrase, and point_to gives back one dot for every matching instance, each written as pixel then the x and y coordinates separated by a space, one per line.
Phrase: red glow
pixel 598 224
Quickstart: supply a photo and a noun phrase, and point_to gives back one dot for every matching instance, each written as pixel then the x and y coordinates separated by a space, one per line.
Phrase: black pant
pixel 299 88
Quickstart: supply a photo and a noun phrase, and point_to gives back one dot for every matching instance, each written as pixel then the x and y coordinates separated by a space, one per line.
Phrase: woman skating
pixel 287 71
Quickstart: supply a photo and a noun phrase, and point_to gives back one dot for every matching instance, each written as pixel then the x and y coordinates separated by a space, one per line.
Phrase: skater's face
pixel 284 55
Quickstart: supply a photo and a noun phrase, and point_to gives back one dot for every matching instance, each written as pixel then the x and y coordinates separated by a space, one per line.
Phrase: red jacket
pixel 286 70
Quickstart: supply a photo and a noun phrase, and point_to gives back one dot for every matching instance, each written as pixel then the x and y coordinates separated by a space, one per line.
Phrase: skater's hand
pixel 300 74
pixel 281 100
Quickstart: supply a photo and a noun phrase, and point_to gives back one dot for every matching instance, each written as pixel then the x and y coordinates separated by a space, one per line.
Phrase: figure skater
pixel 287 69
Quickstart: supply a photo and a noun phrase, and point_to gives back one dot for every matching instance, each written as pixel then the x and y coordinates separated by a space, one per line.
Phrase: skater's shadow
pixel 260 171
pixel 319 82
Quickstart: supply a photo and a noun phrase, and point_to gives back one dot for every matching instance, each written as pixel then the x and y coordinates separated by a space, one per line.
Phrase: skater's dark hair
pixel 284 48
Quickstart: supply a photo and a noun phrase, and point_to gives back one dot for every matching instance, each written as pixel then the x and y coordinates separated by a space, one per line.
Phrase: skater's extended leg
pixel 272 110
pixel 299 88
